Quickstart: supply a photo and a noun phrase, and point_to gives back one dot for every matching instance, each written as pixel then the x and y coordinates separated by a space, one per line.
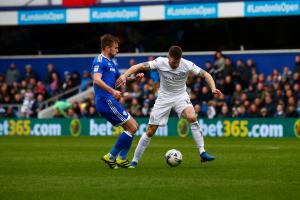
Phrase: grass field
pixel 69 168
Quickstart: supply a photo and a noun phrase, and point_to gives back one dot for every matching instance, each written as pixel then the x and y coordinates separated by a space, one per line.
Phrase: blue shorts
pixel 113 111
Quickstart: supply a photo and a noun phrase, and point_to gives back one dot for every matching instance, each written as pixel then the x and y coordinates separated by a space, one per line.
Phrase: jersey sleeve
pixel 195 69
pixel 98 67
pixel 154 64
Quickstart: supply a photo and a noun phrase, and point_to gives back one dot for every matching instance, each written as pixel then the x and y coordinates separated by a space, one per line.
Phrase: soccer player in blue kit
pixel 105 74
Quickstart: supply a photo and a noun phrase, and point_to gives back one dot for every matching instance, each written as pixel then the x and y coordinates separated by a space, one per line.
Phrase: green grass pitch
pixel 70 168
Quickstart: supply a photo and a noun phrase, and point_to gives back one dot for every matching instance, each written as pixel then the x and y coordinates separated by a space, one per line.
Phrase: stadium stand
pixel 247 93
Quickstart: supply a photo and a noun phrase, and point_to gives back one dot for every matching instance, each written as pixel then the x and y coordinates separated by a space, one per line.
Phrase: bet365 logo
pixel 75 127
pixel 297 128
pixel 183 127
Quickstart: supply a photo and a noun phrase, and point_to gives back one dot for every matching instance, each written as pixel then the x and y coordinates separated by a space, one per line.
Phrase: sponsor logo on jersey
pixel 96 68
pixel 112 69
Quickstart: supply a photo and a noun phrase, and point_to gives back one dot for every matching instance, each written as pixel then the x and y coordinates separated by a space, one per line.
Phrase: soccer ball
pixel 173 157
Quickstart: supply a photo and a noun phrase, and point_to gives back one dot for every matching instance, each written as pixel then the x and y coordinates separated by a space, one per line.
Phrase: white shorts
pixel 162 108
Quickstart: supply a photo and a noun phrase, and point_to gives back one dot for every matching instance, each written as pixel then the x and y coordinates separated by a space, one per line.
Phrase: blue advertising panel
pixel 42 17
pixel 117 14
pixel 272 8
pixel 191 11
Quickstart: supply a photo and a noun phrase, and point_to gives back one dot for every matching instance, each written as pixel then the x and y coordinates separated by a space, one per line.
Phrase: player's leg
pixel 190 115
pixel 114 112
pixel 130 127
pixel 158 117
pixel 184 108
pixel 143 144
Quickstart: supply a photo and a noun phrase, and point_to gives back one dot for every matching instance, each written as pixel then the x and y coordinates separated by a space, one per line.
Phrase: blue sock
pixel 123 153
pixel 123 142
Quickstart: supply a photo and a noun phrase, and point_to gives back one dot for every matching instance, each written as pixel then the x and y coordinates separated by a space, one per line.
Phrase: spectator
pixel 287 74
pixel 291 112
pixel 17 99
pixel 279 111
pixel 92 112
pixel 219 63
pixel 297 64
pixel 32 84
pixel 205 95
pixel 199 112
pixel 71 113
pixel 253 112
pixel 225 113
pixel 242 112
pixel 243 73
pixel 54 86
pixel 228 70
pixel 132 62
pixel 10 113
pixel 211 111
pixel 39 103
pixel 29 73
pixel 67 83
pixel 12 74
pixel 145 109
pixel 27 109
pixel 269 105
pixel 250 65
pixel 237 92
pixel 135 108
pixel 40 88
pixel 210 68
pixel 75 78
pixel 296 90
pixel 85 81
pixel 296 78
pixel 48 75
pixel 264 113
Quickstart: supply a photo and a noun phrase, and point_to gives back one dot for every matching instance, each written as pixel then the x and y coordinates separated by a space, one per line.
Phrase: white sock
pixel 198 136
pixel 142 145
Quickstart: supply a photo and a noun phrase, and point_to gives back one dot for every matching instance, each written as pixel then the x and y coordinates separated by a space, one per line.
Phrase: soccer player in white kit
pixel 173 72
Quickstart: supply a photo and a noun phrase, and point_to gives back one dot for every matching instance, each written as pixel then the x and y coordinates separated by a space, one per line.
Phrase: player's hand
pixel 139 76
pixel 217 92
pixel 121 81
pixel 116 94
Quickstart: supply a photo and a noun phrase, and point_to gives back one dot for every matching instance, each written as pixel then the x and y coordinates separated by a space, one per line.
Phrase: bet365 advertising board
pixel 255 128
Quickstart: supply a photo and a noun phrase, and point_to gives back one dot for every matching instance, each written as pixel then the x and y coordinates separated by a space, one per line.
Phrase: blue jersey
pixel 105 103
pixel 109 72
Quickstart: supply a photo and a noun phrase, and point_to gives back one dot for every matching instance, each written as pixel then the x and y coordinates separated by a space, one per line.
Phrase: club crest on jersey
pixel 96 68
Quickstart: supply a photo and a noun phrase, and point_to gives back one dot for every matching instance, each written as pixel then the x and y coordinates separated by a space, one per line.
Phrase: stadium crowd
pixel 247 93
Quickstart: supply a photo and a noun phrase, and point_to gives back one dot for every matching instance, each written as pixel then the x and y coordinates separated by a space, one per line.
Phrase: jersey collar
pixel 105 57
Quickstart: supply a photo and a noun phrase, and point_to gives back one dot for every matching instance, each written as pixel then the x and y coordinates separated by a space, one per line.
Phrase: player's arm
pixel 137 77
pixel 132 70
pixel 210 81
pixel 97 79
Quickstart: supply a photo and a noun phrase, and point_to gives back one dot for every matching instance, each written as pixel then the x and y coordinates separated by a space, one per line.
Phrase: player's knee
pixel 150 133
pixel 191 118
pixel 133 128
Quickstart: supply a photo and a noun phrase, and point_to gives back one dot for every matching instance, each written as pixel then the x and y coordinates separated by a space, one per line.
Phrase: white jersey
pixel 173 81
